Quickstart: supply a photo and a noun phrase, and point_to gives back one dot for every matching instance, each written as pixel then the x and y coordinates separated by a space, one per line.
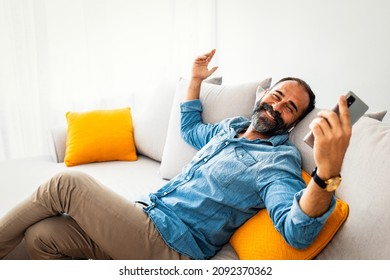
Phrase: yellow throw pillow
pixel 258 239
pixel 100 135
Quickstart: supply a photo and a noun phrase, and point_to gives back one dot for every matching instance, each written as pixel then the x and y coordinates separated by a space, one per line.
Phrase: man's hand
pixel 200 67
pixel 200 71
pixel 332 134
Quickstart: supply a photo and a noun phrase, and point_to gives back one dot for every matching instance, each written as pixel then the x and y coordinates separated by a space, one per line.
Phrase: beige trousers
pixel 74 216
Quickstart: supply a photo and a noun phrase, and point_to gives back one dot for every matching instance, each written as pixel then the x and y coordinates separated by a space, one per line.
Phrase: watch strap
pixel 317 179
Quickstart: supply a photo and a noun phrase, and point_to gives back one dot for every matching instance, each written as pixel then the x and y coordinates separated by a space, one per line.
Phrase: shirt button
pixel 240 156
pixel 153 204
pixel 165 193
pixel 226 143
pixel 188 177
pixel 205 160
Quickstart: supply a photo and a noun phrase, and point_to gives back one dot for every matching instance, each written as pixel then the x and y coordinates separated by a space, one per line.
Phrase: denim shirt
pixel 227 182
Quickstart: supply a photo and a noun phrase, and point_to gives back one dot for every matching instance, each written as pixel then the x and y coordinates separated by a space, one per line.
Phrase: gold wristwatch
pixel 329 185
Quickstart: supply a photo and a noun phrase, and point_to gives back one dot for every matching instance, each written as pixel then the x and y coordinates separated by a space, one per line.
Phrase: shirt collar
pixel 275 140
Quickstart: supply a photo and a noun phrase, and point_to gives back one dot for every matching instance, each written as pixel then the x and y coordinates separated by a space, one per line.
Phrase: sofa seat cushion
pixel 133 180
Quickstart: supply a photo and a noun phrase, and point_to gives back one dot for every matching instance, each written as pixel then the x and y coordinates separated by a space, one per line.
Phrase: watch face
pixel 333 183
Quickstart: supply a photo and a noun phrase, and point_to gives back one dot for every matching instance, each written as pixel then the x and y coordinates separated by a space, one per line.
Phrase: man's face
pixel 279 108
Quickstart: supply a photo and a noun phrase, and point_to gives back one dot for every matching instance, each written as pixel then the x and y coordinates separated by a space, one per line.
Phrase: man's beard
pixel 263 124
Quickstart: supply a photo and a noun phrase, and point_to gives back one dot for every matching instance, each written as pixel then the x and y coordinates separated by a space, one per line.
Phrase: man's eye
pixel 276 96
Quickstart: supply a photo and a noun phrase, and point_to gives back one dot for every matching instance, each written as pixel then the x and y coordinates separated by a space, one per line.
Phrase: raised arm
pixel 200 71
pixel 193 130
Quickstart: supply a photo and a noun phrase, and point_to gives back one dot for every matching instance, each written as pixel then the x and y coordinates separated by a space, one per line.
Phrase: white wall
pixel 335 46
pixel 72 55
pixel 60 55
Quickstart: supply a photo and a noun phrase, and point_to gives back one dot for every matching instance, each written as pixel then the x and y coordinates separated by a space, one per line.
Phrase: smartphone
pixel 356 108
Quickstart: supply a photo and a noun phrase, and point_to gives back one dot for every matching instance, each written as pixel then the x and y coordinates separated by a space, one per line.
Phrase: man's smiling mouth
pixel 270 116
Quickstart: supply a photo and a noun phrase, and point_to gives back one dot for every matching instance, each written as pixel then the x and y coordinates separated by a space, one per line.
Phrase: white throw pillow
pixel 151 116
pixel 150 119
pixel 219 102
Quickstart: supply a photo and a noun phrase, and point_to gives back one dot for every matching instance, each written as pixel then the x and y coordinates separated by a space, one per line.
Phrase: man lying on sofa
pixel 242 166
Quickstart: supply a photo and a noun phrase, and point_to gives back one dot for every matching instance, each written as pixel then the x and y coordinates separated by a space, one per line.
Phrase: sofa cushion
pixel 99 135
pixel 379 115
pixel 57 143
pixel 258 239
pixel 219 102
pixel 150 118
pixel 365 187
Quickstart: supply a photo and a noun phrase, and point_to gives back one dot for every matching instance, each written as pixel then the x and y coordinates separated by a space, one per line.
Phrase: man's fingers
pixel 207 56
pixel 210 54
pixel 319 126
pixel 212 70
pixel 338 121
pixel 329 127
pixel 344 112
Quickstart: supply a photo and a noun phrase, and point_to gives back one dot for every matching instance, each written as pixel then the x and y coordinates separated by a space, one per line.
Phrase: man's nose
pixel 277 106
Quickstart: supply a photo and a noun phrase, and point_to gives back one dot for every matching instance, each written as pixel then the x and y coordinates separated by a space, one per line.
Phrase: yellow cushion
pixel 100 135
pixel 257 239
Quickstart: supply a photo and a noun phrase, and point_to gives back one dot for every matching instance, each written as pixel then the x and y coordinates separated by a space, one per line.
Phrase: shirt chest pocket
pixel 231 167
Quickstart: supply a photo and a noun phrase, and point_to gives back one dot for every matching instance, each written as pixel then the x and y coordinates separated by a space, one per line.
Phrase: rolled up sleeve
pixel 301 229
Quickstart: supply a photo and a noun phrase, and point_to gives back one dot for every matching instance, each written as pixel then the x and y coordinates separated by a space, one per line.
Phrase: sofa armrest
pixel 58 143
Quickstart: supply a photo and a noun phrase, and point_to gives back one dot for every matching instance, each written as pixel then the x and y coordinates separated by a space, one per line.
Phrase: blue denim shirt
pixel 228 181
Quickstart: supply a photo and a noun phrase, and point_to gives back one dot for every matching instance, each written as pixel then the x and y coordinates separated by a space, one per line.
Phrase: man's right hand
pixel 200 71
pixel 200 68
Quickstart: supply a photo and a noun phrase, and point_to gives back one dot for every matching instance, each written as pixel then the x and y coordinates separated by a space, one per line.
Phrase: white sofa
pixel 366 169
